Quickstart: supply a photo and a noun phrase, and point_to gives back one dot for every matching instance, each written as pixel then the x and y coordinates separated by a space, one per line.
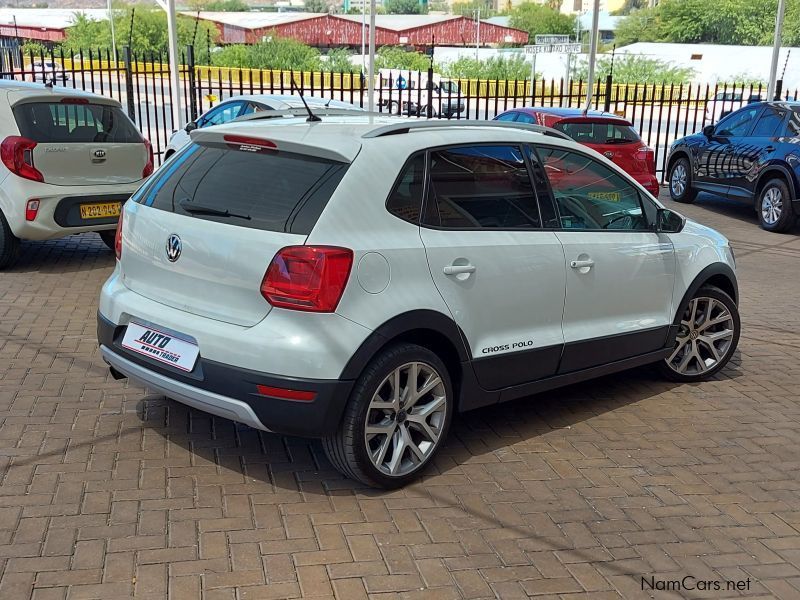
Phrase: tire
pixel 689 342
pixel 108 237
pixel 680 182
pixel 394 108
pixel 774 206
pixel 350 451
pixel 9 244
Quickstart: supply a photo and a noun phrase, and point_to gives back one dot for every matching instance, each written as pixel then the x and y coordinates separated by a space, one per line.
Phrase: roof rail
pixel 406 127
pixel 301 112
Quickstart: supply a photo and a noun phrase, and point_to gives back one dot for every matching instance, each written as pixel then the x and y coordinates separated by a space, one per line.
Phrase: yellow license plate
pixel 101 210
pixel 607 196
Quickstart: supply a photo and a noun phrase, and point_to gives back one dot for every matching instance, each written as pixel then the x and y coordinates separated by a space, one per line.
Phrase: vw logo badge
pixel 99 153
pixel 174 247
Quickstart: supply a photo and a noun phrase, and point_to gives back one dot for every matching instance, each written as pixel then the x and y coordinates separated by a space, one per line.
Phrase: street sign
pixel 546 40
pixel 550 48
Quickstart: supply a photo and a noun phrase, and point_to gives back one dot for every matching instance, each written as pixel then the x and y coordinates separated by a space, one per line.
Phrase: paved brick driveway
pixel 107 491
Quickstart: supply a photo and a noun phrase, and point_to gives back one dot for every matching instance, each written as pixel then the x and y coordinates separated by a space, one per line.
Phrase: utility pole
pixel 593 55
pixel 776 49
pixel 174 75
pixel 363 35
pixel 371 75
pixel 113 36
pixel 477 13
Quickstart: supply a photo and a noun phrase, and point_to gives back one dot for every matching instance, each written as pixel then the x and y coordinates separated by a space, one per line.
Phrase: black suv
pixel 753 154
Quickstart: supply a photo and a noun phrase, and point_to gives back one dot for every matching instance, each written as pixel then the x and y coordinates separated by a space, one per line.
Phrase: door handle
pixel 581 264
pixel 769 149
pixel 458 269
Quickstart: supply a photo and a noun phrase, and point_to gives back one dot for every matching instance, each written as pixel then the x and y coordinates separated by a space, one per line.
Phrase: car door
pixel 620 273
pixel 715 164
pixel 756 149
pixel 499 271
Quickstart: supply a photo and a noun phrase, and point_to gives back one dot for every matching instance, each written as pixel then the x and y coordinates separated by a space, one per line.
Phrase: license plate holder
pixel 100 210
pixel 163 346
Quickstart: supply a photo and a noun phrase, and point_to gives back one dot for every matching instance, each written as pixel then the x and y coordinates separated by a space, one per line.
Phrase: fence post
pixel 193 83
pixel 778 89
pixel 607 103
pixel 430 93
pixel 126 58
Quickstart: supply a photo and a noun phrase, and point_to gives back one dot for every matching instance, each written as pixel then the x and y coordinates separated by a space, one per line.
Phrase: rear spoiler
pixel 56 96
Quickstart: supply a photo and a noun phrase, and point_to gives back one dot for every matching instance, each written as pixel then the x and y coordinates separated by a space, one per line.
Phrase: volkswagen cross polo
pixel 362 279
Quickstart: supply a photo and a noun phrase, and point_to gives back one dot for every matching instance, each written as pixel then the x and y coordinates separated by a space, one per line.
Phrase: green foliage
pixel 404 7
pixel 276 53
pixel 631 5
pixel 227 6
pixel 635 69
pixel 36 49
pixel 338 61
pixel 497 67
pixel 394 57
pixel 356 10
pixel 745 22
pixel 315 6
pixel 540 19
pixel 467 8
pixel 149 32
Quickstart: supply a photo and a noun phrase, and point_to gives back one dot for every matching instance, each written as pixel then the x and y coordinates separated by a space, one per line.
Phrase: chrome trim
pixel 209 402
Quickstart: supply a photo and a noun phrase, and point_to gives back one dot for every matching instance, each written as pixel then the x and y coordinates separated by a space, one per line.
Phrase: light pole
pixel 174 76
pixel 371 81
pixel 592 55
pixel 477 13
pixel 776 49
pixel 363 36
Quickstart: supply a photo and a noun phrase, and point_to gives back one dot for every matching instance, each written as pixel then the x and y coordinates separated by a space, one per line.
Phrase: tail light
pixel 118 238
pixel 646 154
pixel 148 167
pixel 31 210
pixel 309 278
pixel 17 155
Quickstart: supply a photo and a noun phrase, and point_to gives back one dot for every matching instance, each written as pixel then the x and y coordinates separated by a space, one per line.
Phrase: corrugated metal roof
pixel 402 22
pixel 51 18
pixel 254 20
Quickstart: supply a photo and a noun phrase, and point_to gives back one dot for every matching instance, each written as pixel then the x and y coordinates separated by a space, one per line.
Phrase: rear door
pixel 753 151
pixel 82 143
pixel 620 273
pixel 203 230
pixel 716 165
pixel 497 266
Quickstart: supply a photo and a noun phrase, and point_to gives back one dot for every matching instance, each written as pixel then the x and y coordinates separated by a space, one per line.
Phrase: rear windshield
pixel 599 133
pixel 56 122
pixel 273 191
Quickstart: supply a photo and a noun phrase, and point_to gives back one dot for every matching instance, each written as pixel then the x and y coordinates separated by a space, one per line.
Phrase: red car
pixel 609 134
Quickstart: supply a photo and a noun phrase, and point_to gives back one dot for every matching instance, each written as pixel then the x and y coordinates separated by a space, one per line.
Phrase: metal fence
pixel 660 112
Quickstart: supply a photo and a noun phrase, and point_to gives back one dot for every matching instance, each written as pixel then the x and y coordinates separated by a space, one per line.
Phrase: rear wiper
pixel 198 209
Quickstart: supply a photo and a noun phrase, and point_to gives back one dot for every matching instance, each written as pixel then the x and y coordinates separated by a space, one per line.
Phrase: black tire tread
pixel 690 194
pixel 109 238
pixel 9 244
pixel 787 218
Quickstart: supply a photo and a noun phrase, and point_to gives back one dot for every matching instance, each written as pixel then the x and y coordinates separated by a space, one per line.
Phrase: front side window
pixel 525 118
pixel 481 187
pixel 509 116
pixel 738 123
pixel 221 114
pixel 589 195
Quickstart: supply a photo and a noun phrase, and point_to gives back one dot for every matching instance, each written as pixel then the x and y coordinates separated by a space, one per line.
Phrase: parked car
pixel 410 93
pixel 752 155
pixel 608 134
pixel 724 103
pixel 239 106
pixel 70 160
pixel 293 276
pixel 48 70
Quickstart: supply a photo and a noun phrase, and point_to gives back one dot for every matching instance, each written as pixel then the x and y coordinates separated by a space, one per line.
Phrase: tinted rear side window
pixel 405 201
pixel 599 133
pixel 54 122
pixel 274 191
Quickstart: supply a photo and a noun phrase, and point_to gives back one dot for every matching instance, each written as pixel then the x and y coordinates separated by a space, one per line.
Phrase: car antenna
pixel 312 118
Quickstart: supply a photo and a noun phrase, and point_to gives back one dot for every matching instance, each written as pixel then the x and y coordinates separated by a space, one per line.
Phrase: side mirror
pixel 190 126
pixel 708 131
pixel 668 221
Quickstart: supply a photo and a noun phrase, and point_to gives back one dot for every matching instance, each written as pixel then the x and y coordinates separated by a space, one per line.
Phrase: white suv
pixel 362 279
pixel 69 160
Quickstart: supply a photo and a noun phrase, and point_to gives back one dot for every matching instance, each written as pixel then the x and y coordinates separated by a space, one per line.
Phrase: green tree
pixel 641 25
pixel 404 7
pixel 394 57
pixel 315 6
pixel 469 7
pixel 635 69
pixel 540 19
pixel 36 49
pixel 275 53
pixel 227 6
pixel 337 61
pixel 497 67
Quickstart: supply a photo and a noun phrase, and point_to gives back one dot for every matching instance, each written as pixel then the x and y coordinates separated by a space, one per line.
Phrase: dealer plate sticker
pixel 161 346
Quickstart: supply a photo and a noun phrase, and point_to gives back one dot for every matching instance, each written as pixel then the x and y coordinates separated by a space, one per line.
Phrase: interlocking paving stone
pixel 109 491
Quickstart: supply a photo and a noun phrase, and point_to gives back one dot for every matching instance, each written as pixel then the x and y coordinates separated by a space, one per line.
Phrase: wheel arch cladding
pixel 427 328
pixel 677 154
pixel 776 172
pixel 719 275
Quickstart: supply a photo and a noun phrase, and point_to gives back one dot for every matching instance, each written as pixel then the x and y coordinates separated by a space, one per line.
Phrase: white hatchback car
pixel 70 159
pixel 240 106
pixel 362 279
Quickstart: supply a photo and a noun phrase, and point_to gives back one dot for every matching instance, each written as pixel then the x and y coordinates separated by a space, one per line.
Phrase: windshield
pixel 599 133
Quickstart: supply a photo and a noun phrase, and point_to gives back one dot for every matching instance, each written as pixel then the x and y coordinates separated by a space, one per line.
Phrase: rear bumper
pixel 231 392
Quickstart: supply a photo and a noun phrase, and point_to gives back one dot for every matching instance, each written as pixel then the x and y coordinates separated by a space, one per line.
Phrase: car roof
pixel 341 137
pixel 573 114
pixel 19 91
pixel 281 101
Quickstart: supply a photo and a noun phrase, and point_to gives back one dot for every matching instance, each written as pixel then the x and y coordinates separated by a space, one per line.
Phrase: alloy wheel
pixel 678 180
pixel 405 419
pixel 772 206
pixel 704 338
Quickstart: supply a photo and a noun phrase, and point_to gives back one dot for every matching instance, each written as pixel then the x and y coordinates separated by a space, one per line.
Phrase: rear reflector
pixel 286 394
pixel 118 236
pixel 249 144
pixel 31 210
pixel 309 278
